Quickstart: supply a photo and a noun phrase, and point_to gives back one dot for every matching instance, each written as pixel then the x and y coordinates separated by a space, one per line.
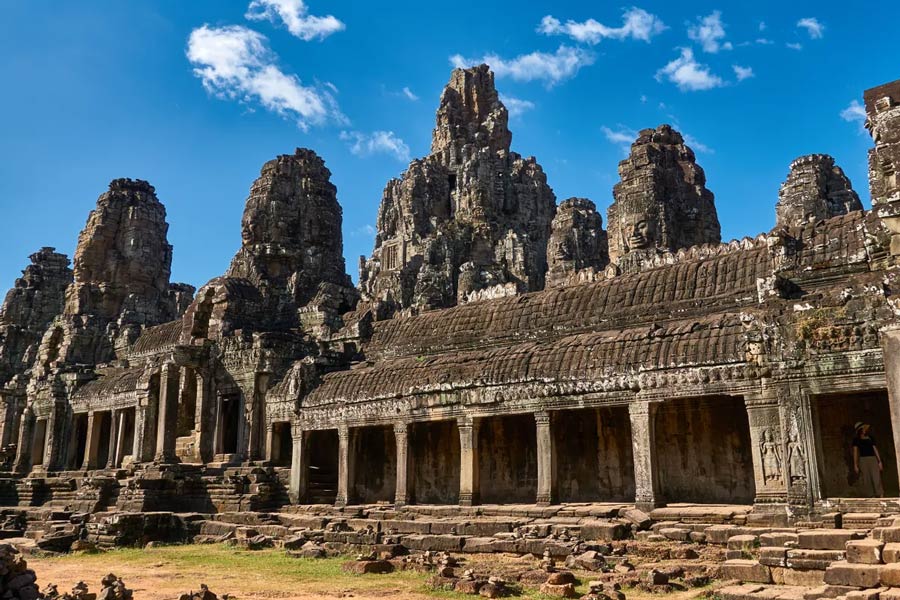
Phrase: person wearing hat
pixel 867 462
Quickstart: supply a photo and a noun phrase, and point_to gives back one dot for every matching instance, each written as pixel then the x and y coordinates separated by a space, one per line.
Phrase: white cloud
pixel 696 145
pixel 550 68
pixel 764 41
pixel 812 26
pixel 294 14
pixel 377 142
pixel 688 74
pixel 516 106
pixel 794 46
pixel 621 135
pixel 762 25
pixel 709 31
pixel 235 63
pixel 637 24
pixel 854 112
pixel 409 94
pixel 367 231
pixel 743 73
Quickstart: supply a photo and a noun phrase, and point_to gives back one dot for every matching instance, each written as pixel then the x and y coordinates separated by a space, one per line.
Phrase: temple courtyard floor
pixel 166 572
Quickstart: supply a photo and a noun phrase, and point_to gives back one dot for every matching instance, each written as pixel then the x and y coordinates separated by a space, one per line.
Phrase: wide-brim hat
pixel 859 425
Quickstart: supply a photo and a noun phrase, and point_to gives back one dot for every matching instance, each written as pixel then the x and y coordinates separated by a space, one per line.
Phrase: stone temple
pixel 502 353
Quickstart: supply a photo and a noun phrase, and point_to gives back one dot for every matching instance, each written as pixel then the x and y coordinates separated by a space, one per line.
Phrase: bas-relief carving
pixel 771 457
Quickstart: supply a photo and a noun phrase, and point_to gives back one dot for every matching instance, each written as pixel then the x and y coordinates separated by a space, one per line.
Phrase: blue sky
pixel 195 96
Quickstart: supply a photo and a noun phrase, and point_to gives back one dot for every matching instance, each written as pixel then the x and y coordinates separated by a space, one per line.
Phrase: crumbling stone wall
pixel 661 201
pixel 815 189
pixel 471 216
pixel 578 246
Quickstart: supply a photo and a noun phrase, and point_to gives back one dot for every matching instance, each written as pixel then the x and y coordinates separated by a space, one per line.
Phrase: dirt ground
pixel 164 573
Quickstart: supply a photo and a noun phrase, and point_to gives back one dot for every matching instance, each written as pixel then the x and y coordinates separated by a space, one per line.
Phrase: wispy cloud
pixel 234 62
pixel 696 145
pixel 377 142
pixel 409 94
pixel 813 27
pixel 855 113
pixel 541 66
pixel 743 73
pixel 637 24
pixel 688 74
pixel 366 231
pixel 620 135
pixel 794 46
pixel 764 41
pixel 516 106
pixel 709 31
pixel 294 15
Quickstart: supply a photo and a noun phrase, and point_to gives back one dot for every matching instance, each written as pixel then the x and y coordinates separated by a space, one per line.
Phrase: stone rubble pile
pixel 17 581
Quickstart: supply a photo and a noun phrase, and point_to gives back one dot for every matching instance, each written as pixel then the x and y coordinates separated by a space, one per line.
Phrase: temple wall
pixel 374 465
pixel 507 459
pixel 703 449
pixel 434 447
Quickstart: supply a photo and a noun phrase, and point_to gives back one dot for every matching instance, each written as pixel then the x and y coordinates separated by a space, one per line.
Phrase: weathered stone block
pixel 773 557
pixel 777 538
pixel 813 559
pixel 797 577
pixel 826 539
pixel 844 573
pixel 866 551
pixel 745 570
pixel 890 575
pixel 890 553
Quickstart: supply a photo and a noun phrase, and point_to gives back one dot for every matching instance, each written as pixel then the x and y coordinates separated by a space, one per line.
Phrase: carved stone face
pixel 639 232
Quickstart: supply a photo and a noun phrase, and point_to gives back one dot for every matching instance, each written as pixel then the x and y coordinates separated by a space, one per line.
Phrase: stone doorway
pixel 834 416
pixel 282 444
pixel 323 448
pixel 38 442
pixel 593 453
pixel 79 441
pixel 230 421
pixel 103 425
pixel 703 451
pixel 125 441
pixel 373 465
pixel 434 454
pixel 507 459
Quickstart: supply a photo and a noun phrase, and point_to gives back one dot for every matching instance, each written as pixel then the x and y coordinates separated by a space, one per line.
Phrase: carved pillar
pixel 113 439
pixel 767 447
pixel 92 444
pixel 646 481
pixel 55 440
pixel 298 483
pixel 890 342
pixel 401 438
pixel 206 417
pixel 343 490
pixel 7 409
pixel 800 445
pixel 256 415
pixel 546 475
pixel 468 455
pixel 167 419
pixel 26 436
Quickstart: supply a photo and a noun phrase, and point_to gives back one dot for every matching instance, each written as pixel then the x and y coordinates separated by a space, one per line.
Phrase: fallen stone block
pixel 566 590
pixel 827 539
pixel 871 594
pixel 364 567
pixel 866 551
pixel 844 573
pixel 739 592
pixel 813 559
pixel 777 539
pixel 638 518
pixel 745 570
pixel 797 577
pixel 773 556
pixel 678 534
pixel 604 531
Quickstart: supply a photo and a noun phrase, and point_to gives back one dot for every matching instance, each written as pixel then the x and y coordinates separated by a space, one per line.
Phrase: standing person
pixel 867 462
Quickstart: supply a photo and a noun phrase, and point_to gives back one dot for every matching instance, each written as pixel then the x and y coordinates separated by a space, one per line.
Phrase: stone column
pixel 646 486
pixel 219 432
pixel 120 441
pixel 468 456
pixel 26 435
pixel 297 489
pixel 113 439
pixel 546 476
pixel 343 490
pixel 167 420
pixel 7 409
pixel 401 439
pixel 767 448
pixel 206 417
pixel 92 444
pixel 55 435
pixel 890 342
pixel 270 442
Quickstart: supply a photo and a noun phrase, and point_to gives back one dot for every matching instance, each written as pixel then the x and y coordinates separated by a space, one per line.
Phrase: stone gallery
pixel 499 348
